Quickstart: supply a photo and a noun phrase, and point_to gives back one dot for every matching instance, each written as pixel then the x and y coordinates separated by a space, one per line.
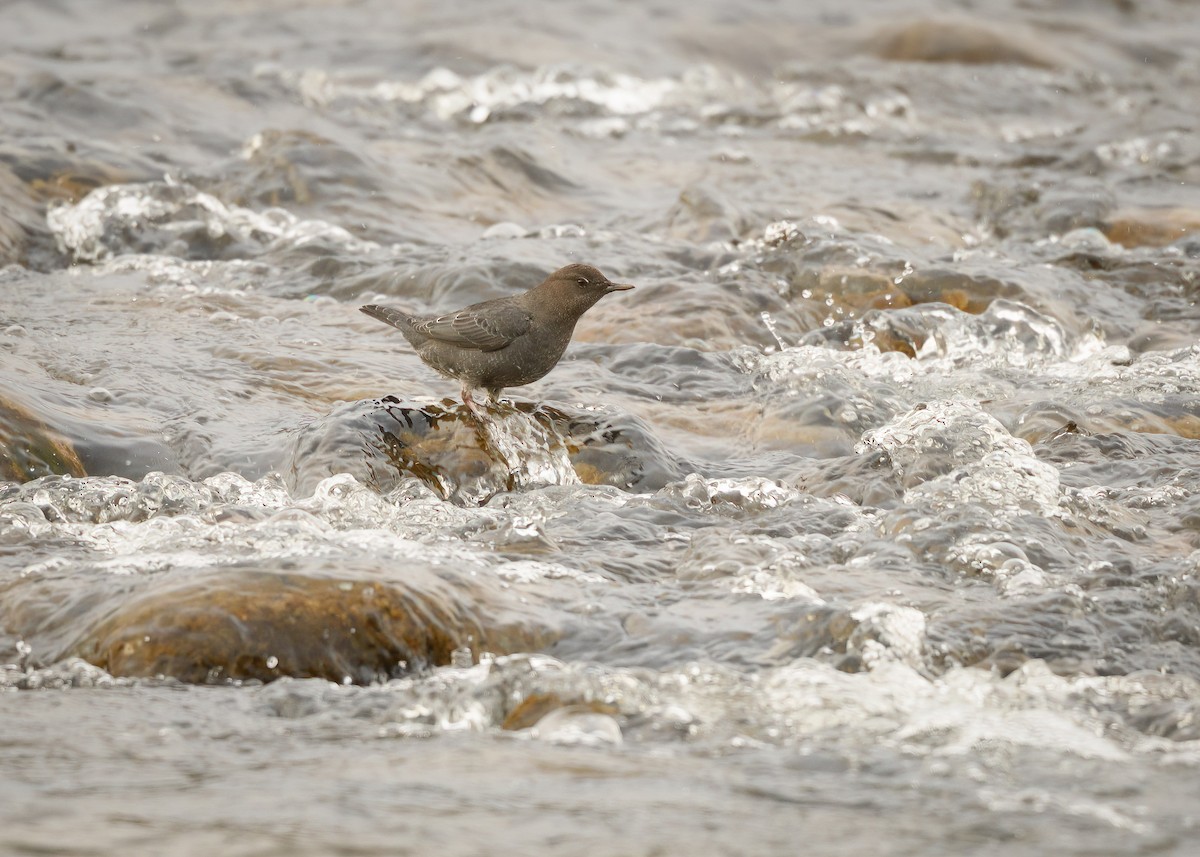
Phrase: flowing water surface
pixel 868 523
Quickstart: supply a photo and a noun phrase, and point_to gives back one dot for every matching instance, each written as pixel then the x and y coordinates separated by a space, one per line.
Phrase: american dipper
pixel 504 342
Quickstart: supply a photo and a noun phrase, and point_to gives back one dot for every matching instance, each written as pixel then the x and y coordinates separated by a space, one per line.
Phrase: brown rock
pixel 254 624
pixel 1151 227
pixel 533 708
pixel 381 442
pixel 29 449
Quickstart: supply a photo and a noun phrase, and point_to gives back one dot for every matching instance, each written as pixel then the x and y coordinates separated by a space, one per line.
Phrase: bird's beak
pixel 618 287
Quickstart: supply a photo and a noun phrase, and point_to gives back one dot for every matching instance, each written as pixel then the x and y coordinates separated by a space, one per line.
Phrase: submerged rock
pixel 965 42
pixel 256 624
pixel 1152 227
pixel 29 448
pixel 701 214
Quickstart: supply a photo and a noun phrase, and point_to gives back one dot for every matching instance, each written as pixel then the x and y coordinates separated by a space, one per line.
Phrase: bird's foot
pixel 476 410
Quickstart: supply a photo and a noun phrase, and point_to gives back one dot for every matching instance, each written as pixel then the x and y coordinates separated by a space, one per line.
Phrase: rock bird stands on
pixel 505 342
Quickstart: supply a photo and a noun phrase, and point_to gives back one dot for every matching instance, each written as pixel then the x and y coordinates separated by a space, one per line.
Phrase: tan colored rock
pixel 1151 227
pixel 965 42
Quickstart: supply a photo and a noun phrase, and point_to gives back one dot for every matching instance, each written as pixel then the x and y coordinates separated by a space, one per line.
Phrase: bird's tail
pixel 387 315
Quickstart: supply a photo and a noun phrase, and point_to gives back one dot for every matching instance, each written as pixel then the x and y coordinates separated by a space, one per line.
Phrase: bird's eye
pixel 582 281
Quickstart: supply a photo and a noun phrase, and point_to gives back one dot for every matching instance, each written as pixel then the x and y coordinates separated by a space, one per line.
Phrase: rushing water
pixel 868 523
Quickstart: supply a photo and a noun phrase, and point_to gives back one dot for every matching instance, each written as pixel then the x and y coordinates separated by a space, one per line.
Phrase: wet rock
pixel 1006 331
pixel 830 280
pixel 1062 629
pixel 535 708
pixel 255 624
pixel 1151 227
pixel 1031 209
pixel 293 168
pixel 619 449
pixel 966 291
pixel 29 448
pixel 1073 205
pixel 964 42
pixel 1184 425
pixel 848 288
pixel 903 332
pixel 855 639
pixel 701 214
pixel 383 442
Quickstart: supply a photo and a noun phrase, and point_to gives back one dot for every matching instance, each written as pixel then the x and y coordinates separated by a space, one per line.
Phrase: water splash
pixel 533 453
pixel 177 219
pixel 610 103
pixel 951 453
pixel 750 494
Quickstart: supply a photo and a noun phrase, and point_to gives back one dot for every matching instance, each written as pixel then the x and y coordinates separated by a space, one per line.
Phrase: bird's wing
pixel 474 328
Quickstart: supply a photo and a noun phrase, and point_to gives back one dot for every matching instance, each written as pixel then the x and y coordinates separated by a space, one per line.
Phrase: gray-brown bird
pixel 504 342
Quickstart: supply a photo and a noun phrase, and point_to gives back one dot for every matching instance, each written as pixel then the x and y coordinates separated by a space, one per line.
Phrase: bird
pixel 506 342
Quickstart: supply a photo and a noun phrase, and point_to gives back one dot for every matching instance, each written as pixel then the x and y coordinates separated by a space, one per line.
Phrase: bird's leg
pixel 478 412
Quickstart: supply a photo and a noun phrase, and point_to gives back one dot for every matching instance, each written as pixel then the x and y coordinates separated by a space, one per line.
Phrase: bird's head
pixel 576 288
